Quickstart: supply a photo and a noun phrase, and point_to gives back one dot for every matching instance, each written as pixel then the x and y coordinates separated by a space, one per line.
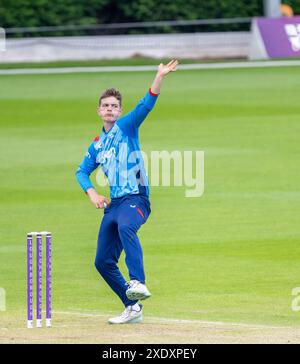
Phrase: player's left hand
pixel 164 69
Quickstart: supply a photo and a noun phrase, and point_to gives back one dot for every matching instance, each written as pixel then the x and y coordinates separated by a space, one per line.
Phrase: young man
pixel 117 152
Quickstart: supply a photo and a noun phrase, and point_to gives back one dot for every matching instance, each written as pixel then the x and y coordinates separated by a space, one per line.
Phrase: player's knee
pixel 100 265
pixel 105 265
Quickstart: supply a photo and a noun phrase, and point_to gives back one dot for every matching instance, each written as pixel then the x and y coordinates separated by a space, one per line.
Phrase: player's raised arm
pixel 131 121
pixel 163 70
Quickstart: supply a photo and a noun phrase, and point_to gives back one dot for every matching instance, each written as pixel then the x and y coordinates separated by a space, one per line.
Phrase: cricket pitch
pixel 93 328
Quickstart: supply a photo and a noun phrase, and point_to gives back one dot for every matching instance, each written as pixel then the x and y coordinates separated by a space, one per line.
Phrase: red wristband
pixel 152 93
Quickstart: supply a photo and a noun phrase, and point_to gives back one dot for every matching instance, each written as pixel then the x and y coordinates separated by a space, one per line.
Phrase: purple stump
pixel 39 280
pixel 48 279
pixel 29 282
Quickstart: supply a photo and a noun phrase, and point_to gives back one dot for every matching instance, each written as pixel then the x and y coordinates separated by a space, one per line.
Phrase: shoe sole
pixel 136 320
pixel 134 296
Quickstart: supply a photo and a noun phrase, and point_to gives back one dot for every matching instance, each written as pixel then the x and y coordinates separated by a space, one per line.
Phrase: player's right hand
pixel 97 200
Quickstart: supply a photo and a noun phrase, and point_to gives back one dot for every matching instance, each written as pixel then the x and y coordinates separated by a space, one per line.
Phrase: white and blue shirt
pixel 118 154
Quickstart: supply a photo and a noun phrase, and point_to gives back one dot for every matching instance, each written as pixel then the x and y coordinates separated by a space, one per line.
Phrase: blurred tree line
pixel 37 13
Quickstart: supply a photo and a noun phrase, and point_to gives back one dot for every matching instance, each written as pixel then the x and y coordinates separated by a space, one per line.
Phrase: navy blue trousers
pixel 121 221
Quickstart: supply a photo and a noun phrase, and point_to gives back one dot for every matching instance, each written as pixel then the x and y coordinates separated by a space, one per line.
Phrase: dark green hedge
pixel 34 13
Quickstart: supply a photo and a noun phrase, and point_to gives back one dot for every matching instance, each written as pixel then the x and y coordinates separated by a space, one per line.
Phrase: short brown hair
pixel 111 92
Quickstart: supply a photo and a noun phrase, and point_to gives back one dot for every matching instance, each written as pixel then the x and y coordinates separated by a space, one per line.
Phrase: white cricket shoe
pixel 131 315
pixel 137 291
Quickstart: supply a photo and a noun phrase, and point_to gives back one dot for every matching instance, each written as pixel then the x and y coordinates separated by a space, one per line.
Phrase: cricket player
pixel 117 152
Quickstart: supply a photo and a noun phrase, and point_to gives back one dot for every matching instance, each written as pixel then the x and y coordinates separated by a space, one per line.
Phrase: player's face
pixel 110 109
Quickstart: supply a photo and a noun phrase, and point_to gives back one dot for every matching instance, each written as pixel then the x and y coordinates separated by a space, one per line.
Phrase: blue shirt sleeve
pixel 87 166
pixel 130 122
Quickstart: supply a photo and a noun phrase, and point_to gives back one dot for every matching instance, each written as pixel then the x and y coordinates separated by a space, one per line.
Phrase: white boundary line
pixel 203 66
pixel 154 319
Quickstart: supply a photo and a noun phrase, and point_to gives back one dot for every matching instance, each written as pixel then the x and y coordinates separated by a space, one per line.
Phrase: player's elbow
pixel 80 175
pixel 147 106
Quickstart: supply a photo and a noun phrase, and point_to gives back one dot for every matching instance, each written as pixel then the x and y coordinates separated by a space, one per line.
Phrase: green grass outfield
pixel 232 255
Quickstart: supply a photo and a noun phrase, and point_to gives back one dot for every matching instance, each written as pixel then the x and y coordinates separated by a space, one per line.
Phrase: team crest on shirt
pixel 98 145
